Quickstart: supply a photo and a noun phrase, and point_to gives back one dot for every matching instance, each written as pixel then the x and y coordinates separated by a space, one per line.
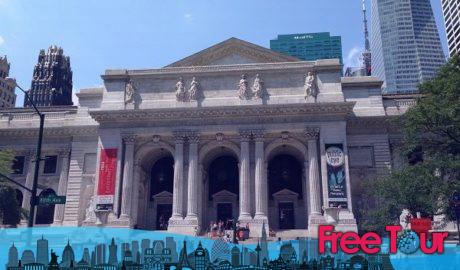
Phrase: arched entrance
pixel 220 184
pixel 153 186
pixel 45 213
pixel 286 188
pixel 161 189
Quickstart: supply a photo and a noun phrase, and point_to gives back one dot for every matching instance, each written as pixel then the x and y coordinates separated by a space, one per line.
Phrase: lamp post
pixel 33 199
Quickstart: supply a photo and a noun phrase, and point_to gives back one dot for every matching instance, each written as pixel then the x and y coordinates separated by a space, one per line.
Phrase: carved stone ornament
pixel 194 89
pixel 311 87
pixel 312 133
pixel 258 87
pixel 220 137
pixel 156 138
pixel 243 89
pixel 129 92
pixel 181 93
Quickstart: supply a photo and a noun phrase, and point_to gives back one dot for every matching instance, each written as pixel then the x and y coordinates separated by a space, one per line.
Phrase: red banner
pixel 107 175
pixel 420 225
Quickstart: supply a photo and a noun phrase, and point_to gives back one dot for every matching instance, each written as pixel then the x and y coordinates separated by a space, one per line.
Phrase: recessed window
pixel 18 165
pixel 50 164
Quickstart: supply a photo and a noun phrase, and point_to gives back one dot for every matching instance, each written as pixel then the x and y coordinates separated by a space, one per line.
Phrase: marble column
pixel 245 177
pixel 29 180
pixel 313 171
pixel 177 207
pixel 62 187
pixel 260 181
pixel 192 194
pixel 128 169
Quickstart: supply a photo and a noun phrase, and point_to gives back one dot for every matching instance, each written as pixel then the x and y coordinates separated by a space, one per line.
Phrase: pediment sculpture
pixel 129 92
pixel 194 89
pixel 243 89
pixel 311 87
pixel 258 87
pixel 181 93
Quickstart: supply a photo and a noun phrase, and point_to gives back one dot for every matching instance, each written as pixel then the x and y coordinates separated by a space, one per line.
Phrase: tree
pixel 10 211
pixel 431 132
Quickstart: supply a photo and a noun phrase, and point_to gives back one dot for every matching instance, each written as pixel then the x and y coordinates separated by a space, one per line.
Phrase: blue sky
pixel 103 34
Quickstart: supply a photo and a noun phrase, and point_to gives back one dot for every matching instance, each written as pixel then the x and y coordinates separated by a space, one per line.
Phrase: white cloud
pixel 188 16
pixel 354 57
pixel 2 40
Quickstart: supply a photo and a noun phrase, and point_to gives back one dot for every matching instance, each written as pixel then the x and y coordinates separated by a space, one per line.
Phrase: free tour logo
pixel 406 241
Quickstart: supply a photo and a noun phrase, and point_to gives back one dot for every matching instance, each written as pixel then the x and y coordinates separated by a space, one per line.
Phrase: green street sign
pixel 51 199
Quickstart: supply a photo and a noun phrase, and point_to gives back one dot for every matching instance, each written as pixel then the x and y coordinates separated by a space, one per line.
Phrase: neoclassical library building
pixel 234 132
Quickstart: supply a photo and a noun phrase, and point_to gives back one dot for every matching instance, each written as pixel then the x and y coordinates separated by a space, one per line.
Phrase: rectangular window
pixel 50 164
pixel 18 165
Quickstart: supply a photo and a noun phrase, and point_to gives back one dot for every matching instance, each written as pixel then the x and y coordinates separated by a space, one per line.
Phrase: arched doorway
pixel 286 191
pixel 161 189
pixel 223 189
pixel 45 213
pixel 153 185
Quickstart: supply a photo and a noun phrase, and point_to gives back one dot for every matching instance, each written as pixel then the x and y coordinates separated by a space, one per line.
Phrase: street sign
pixel 51 199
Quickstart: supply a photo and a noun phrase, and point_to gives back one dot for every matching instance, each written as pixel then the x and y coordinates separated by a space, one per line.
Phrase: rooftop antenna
pixel 367 47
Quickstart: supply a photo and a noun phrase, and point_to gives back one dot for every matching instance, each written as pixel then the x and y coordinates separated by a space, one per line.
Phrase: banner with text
pixel 336 177
pixel 107 178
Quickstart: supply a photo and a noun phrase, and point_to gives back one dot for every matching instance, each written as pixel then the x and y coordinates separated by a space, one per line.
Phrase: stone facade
pixel 7 85
pixel 138 114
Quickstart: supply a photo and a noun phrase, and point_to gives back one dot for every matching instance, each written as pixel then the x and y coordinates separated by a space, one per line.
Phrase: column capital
pixel 312 133
pixel 179 136
pixel 128 138
pixel 193 137
pixel 258 135
pixel 245 135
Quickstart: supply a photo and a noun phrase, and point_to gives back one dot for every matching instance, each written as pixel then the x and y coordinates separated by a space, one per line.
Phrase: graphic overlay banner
pixel 336 177
pixel 107 178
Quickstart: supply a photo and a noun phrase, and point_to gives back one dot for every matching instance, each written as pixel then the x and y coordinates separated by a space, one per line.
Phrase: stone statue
pixel 258 87
pixel 90 208
pixel 194 88
pixel 181 94
pixel 129 92
pixel 404 219
pixel 243 91
pixel 311 89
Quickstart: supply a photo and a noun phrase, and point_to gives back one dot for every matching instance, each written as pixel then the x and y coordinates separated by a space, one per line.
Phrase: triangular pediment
pixel 233 51
pixel 163 194
pixel 285 193
pixel 224 193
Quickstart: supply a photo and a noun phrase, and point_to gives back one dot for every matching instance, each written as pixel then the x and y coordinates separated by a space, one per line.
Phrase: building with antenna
pixel 365 69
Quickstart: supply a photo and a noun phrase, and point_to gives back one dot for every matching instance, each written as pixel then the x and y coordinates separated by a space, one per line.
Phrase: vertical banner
pixel 336 176
pixel 107 178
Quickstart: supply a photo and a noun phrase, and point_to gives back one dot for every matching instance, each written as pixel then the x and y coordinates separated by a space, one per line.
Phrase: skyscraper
pixel 13 257
pixel 113 253
pixel 42 251
pixel 52 79
pixel 7 85
pixel 406 48
pixel 309 47
pixel 451 11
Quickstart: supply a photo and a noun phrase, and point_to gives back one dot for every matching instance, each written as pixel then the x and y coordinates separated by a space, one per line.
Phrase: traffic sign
pixel 51 199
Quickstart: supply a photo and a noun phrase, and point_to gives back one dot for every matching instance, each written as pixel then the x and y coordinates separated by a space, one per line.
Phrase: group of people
pixel 227 228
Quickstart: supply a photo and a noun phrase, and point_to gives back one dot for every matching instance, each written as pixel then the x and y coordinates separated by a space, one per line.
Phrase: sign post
pixel 51 200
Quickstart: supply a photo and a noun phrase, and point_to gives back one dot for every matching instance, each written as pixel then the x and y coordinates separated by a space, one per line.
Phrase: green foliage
pixel 6 157
pixel 432 126
pixel 10 211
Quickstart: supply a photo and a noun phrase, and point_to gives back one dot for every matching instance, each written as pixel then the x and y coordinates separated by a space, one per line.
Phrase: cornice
pixel 51 132
pixel 228 112
pixel 279 67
